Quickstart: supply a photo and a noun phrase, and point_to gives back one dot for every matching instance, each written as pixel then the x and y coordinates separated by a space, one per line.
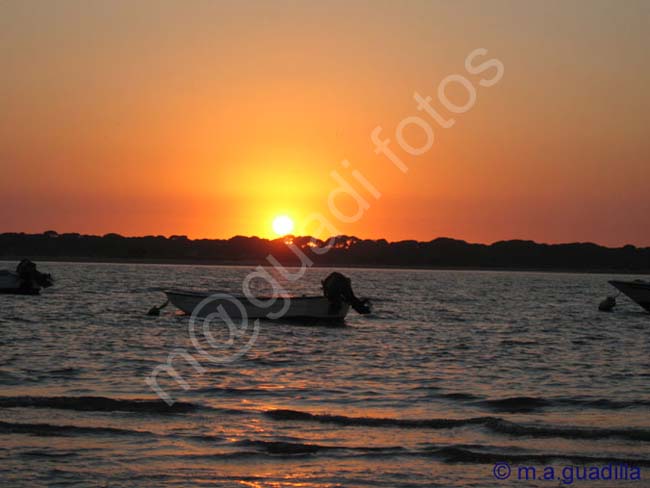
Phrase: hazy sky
pixel 209 118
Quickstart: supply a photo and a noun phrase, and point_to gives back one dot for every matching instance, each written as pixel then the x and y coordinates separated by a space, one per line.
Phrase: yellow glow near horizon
pixel 282 225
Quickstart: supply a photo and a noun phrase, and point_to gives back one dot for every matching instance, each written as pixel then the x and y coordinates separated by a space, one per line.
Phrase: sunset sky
pixel 210 118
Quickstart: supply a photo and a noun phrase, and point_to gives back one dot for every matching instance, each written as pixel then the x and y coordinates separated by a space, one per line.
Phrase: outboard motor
pixel 338 288
pixel 30 277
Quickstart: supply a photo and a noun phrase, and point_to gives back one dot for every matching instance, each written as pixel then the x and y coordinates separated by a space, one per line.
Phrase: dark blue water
pixel 454 372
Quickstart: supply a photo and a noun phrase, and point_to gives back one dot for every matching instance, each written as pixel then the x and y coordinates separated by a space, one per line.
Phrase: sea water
pixel 457 379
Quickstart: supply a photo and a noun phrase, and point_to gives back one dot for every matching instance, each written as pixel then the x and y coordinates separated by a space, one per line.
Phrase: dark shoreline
pixel 250 263
pixel 337 252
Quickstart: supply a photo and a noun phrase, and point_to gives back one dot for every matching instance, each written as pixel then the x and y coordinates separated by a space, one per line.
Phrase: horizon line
pixel 55 234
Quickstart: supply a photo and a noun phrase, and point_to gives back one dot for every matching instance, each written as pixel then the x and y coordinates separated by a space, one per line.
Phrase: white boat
pixel 638 291
pixel 25 281
pixel 9 282
pixel 333 305
pixel 236 307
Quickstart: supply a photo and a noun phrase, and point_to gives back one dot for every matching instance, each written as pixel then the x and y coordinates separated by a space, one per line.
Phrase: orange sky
pixel 209 118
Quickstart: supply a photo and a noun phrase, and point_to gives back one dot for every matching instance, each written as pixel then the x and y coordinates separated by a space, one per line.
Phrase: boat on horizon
pixel 333 305
pixel 637 291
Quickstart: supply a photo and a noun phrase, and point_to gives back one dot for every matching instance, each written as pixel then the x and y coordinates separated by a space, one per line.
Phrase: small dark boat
pixel 26 280
pixel 638 291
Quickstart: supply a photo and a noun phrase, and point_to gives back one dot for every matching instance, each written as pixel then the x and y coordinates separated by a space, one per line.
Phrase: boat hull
pixel 10 283
pixel 293 308
pixel 638 291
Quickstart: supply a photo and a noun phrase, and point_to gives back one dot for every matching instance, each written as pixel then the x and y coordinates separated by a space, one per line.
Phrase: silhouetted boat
pixel 638 291
pixel 235 307
pixel 25 281
pixel 335 303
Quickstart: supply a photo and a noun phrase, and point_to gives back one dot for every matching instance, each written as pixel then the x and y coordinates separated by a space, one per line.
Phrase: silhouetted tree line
pixel 343 250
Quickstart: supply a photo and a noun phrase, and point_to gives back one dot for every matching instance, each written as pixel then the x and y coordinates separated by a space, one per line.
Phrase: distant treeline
pixel 344 251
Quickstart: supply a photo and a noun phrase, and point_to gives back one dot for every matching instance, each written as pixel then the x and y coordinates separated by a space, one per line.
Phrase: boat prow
pixel 638 291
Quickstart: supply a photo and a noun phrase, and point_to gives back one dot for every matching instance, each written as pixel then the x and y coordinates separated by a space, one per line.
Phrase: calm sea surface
pixel 452 373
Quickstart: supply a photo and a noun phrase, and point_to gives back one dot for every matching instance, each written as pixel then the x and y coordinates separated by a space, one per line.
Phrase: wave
pixel 47 430
pixel 493 424
pixel 524 404
pixel 246 392
pixel 255 448
pixel 457 396
pixel 521 404
pixel 451 454
pixel 276 447
pixel 97 404
pixel 528 404
pixel 283 414
pixel 69 371
pixel 266 391
pixel 587 433
pixel 45 454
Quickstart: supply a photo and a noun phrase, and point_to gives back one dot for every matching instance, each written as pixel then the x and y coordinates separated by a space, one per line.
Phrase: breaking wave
pixel 97 404
pixel 493 424
pixel 45 430
pixel 526 404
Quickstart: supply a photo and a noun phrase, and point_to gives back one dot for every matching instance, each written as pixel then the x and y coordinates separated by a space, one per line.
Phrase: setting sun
pixel 282 225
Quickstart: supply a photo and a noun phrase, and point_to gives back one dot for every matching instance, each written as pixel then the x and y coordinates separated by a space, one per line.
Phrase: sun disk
pixel 282 225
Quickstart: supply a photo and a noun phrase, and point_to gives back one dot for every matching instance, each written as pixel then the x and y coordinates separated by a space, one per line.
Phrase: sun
pixel 282 225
